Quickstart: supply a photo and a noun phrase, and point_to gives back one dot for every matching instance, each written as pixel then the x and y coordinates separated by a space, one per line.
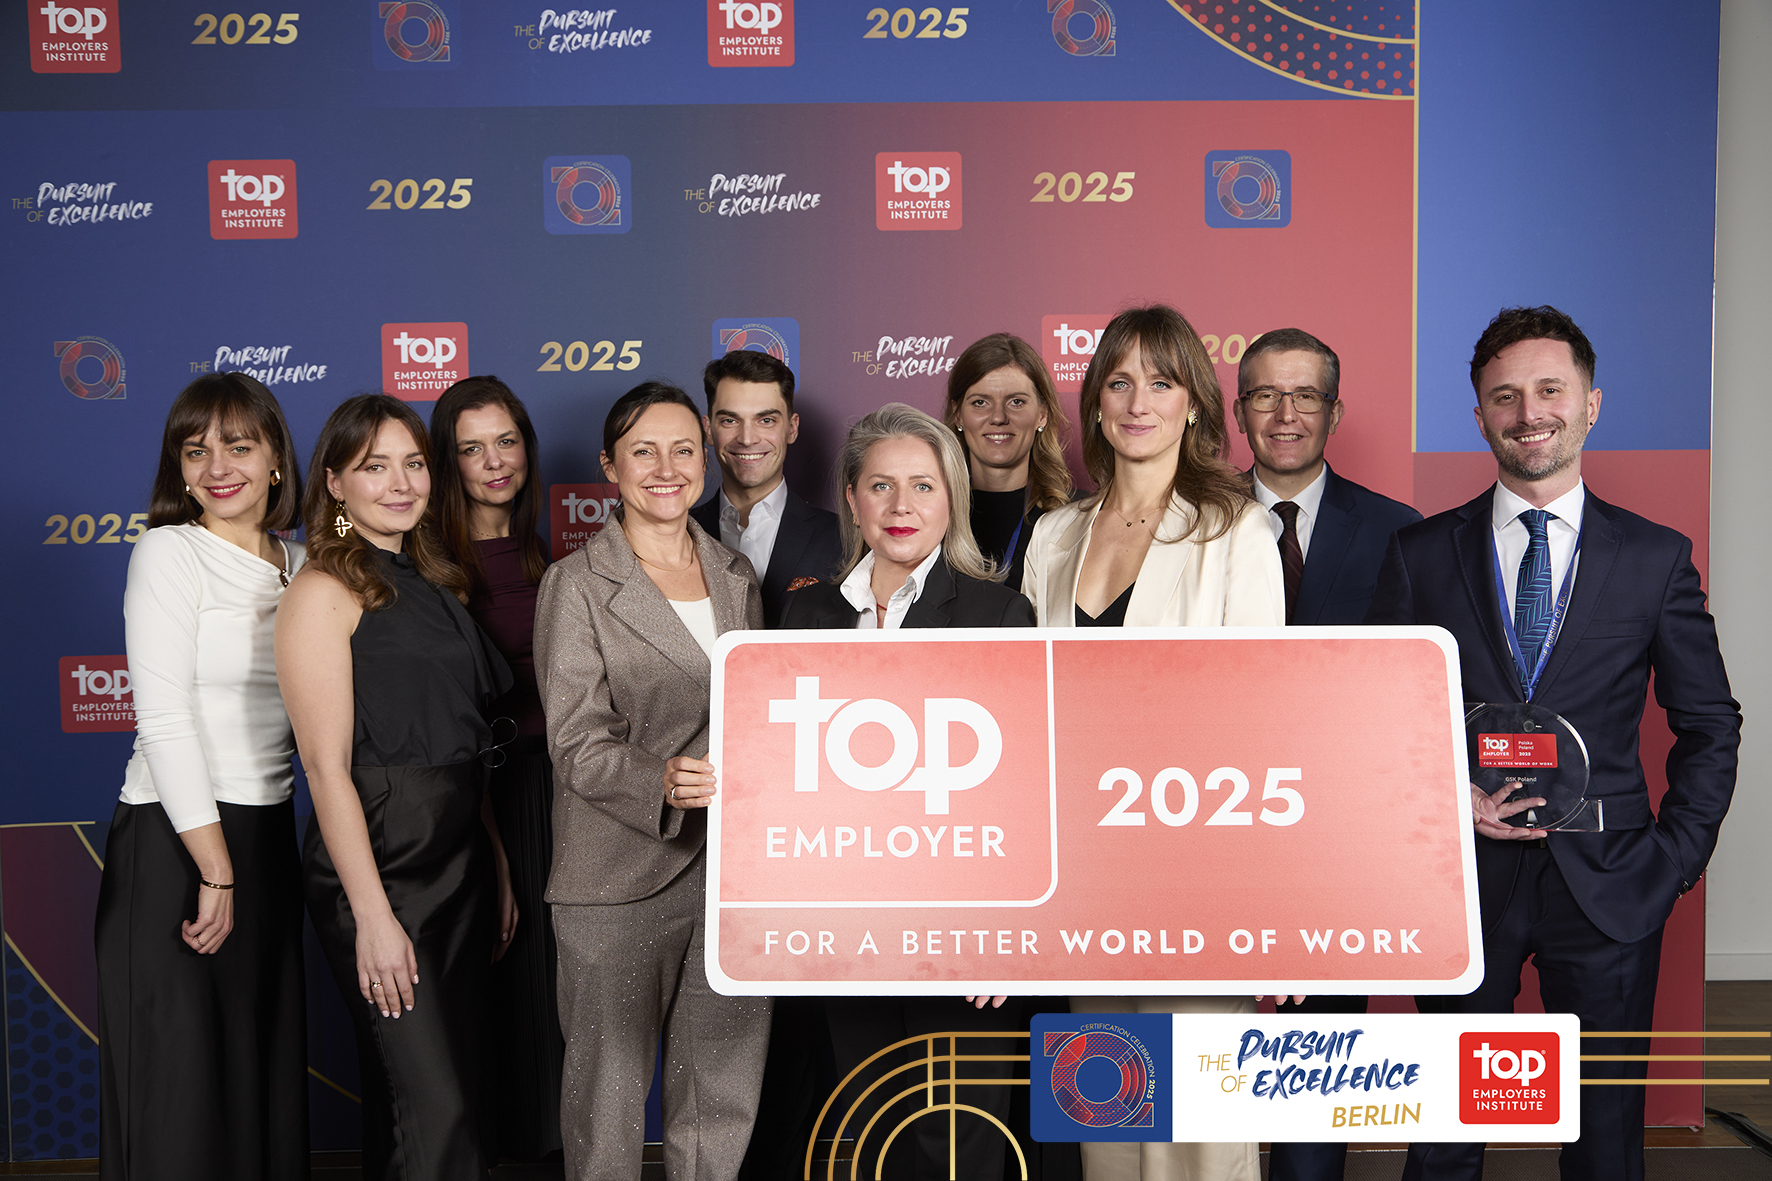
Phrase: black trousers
pixel 1310 1161
pixel 1608 984
pixel 861 1025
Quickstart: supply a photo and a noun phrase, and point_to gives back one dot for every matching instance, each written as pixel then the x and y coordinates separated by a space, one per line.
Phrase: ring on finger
pixel 673 793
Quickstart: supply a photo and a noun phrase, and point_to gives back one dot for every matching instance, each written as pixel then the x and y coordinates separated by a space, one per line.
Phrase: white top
pixel 858 588
pixel 1308 502
pixel 755 541
pixel 698 616
pixel 1512 536
pixel 198 614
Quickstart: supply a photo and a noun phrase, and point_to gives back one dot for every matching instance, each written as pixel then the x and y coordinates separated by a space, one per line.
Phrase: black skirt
pixel 420 1072
pixel 530 1049
pixel 202 1058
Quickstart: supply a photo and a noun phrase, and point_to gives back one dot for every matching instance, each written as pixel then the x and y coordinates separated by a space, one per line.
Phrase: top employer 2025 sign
pixel 1184 811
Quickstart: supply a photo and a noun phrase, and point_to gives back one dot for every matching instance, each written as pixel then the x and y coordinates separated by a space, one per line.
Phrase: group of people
pixel 505 866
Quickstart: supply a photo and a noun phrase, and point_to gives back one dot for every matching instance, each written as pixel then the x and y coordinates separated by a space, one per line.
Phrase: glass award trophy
pixel 1533 747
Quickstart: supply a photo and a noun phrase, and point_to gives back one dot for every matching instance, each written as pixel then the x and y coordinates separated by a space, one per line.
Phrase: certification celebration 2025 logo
pixel 586 194
pixel 90 367
pixel 779 336
pixel 1110 1076
pixel 413 34
pixel 1248 190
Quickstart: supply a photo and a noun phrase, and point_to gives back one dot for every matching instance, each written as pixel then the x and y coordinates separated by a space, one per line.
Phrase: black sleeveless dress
pixel 422 673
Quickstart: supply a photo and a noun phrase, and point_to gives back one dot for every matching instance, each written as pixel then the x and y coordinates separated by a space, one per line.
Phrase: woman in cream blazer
pixel 1171 540
pixel 623 633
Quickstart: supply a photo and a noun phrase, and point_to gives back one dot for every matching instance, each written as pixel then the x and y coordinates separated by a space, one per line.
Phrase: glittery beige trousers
pixel 628 973
pixel 1168 1162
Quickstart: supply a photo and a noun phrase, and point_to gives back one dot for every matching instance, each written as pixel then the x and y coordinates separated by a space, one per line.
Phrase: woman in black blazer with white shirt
pixel 910 560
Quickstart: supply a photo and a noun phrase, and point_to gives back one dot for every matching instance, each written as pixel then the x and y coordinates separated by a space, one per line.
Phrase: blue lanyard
pixel 1529 678
pixel 1009 554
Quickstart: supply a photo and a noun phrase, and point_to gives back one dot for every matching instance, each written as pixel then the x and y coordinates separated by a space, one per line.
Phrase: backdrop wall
pixel 579 201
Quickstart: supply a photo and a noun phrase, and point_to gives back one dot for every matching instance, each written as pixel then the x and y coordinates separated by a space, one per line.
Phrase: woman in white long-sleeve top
pixel 1172 539
pixel 202 1017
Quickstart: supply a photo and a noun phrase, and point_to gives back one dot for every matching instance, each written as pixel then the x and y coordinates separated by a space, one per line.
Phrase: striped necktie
pixel 1533 601
pixel 1291 554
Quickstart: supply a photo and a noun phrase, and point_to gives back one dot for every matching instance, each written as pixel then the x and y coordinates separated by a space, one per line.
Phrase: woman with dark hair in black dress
pixel 488 491
pixel 386 677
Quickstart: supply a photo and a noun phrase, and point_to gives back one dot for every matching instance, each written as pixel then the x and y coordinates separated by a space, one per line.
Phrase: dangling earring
pixel 276 477
pixel 341 524
pixel 1098 416
pixel 1193 416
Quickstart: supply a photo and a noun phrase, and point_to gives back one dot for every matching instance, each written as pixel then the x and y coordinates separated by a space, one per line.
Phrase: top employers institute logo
pixel 252 199
pixel 750 32
pixel 74 38
pixel 917 191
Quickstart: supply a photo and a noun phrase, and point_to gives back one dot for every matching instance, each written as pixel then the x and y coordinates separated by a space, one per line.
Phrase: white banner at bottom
pixel 1335 1077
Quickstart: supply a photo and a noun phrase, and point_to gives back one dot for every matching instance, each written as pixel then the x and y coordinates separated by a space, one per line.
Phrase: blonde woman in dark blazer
pixel 623 632
pixel 1170 540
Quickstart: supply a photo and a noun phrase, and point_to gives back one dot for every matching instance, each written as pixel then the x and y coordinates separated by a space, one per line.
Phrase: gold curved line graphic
pixel 1304 20
pixel 880 1161
pixel 334 1085
pixel 1176 4
pixel 61 1004
pixel 96 859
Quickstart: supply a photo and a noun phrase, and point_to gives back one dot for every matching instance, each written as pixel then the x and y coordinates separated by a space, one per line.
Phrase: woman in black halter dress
pixel 406 891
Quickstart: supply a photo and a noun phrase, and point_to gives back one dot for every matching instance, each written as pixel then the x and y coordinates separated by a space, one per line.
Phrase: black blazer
pixel 1353 529
pixel 1637 608
pixel 807 545
pixel 950 600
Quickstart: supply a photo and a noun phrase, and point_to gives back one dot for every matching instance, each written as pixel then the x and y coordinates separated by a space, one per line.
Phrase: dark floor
pixel 1673 1154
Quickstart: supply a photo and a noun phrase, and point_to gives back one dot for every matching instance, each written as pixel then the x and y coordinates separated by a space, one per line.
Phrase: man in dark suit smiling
pixel 1332 532
pixel 1557 598
pixel 751 422
pixel 1332 535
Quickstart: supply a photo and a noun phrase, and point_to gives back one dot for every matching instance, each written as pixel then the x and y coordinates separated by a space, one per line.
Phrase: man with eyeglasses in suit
pixel 1332 535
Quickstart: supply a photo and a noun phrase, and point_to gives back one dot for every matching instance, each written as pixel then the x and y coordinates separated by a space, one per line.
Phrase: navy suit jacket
pixel 807 545
pixel 1636 608
pixel 1353 529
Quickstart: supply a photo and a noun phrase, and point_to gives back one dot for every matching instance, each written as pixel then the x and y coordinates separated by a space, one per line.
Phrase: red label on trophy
pixel 1516 750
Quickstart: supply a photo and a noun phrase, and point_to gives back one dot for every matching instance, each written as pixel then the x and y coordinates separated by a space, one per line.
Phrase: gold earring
pixel 276 477
pixel 1193 416
pixel 187 489
pixel 1098 416
pixel 341 524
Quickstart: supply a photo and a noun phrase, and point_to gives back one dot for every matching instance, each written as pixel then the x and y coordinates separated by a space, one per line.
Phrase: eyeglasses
pixel 1303 401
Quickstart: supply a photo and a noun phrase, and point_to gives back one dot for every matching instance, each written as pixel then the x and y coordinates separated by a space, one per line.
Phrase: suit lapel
pixel 1473 541
pixel 726 585
pixel 790 543
pixel 933 607
pixel 1067 562
pixel 1601 541
pixel 1331 535
pixel 638 603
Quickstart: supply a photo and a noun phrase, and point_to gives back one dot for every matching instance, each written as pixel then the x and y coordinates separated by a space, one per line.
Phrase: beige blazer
pixel 1230 581
pixel 625 687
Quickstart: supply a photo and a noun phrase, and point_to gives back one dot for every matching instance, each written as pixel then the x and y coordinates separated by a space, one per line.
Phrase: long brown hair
pixel 450 496
pixel 1049 476
pixel 1171 347
pixel 344 440
pixel 243 408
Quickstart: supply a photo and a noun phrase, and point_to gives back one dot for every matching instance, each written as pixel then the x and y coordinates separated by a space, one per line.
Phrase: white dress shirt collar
pixel 858 589
pixel 1309 501
pixel 756 540
pixel 1512 536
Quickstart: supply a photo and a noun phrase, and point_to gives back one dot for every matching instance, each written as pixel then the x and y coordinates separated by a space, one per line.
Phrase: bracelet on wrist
pixel 216 885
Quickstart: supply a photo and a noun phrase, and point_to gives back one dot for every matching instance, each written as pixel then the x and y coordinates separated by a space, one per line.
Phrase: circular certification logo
pixel 755 338
pixel 433 27
pixel 603 191
pixel 1099 39
pixel 1255 201
pixel 1128 1099
pixel 101 375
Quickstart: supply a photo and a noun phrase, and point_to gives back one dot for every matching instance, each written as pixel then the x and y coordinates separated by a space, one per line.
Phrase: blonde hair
pixel 895 420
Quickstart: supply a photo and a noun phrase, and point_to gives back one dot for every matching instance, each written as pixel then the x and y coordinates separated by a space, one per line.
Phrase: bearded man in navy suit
pixel 1587 907
pixel 1332 535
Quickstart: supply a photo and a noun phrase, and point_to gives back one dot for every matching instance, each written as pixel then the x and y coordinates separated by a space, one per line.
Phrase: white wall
pixel 1739 922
